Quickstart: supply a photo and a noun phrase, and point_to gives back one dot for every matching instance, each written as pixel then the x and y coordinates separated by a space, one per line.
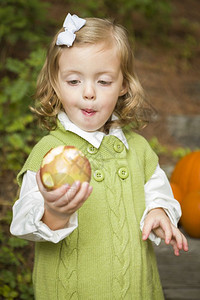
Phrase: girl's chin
pixel 91 128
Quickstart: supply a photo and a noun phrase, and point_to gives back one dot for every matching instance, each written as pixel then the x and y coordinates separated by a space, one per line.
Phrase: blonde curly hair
pixel 131 108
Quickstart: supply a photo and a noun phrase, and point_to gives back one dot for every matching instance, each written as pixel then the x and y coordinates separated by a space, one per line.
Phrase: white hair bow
pixel 71 25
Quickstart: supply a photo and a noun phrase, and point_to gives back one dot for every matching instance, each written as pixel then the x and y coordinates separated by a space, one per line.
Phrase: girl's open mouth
pixel 88 112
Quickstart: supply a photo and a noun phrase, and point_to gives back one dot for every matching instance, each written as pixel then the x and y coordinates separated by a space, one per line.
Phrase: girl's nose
pixel 89 92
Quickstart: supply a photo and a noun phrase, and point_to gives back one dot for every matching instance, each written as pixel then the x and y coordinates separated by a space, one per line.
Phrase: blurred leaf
pixel 17 243
pixel 16 141
pixel 20 123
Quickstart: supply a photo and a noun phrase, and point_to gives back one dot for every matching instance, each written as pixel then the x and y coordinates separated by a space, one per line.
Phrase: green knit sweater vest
pixel 105 257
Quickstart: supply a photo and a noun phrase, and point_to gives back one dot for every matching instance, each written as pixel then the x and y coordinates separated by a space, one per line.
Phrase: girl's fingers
pixel 167 231
pixel 69 195
pixel 81 196
pixel 164 229
pixel 180 239
pixel 175 247
pixel 185 244
pixel 40 185
pixel 148 226
pixel 54 195
pixel 89 191
pixel 75 196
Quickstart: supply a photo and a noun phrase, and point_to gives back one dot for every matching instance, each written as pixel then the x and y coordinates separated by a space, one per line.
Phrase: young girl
pixel 93 241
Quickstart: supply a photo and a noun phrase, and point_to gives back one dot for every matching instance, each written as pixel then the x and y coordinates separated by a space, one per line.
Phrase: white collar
pixel 95 138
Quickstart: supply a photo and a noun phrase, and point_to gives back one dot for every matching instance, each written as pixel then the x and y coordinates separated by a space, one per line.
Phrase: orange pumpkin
pixel 190 219
pixel 178 195
pixel 186 173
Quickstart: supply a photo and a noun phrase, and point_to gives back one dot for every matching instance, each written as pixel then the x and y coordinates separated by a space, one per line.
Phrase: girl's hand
pixel 158 221
pixel 61 203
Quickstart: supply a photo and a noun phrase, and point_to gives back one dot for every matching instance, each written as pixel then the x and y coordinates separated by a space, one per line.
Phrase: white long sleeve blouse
pixel 29 208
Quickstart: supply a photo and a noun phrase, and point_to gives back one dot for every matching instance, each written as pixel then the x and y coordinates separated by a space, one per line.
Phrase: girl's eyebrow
pixel 106 72
pixel 69 72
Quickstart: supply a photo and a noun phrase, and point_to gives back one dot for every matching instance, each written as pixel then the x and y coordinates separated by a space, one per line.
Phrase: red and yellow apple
pixel 64 165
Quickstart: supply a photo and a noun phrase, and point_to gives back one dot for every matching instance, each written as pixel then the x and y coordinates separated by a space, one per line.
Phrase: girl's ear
pixel 124 89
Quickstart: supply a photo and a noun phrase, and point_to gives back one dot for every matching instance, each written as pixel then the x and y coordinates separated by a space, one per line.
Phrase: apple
pixel 64 165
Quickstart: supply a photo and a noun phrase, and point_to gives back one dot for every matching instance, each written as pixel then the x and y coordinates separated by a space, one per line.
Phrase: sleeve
pixel 158 193
pixel 28 211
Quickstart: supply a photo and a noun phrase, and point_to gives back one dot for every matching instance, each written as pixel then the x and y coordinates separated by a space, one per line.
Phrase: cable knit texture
pixel 105 257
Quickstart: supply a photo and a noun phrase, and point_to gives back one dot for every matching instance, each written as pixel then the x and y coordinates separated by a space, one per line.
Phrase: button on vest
pixel 91 149
pixel 118 146
pixel 99 175
pixel 123 173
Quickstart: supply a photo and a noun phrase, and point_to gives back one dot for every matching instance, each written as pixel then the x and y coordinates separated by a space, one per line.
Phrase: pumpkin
pixel 178 195
pixel 190 219
pixel 186 173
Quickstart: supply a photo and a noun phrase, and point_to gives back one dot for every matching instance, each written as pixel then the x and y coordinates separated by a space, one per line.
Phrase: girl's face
pixel 89 84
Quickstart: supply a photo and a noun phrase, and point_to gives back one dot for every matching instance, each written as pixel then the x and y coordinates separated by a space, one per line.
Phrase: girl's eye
pixel 103 82
pixel 73 82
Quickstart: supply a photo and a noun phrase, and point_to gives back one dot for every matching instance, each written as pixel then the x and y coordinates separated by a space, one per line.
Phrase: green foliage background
pixel 26 28
pixel 23 38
